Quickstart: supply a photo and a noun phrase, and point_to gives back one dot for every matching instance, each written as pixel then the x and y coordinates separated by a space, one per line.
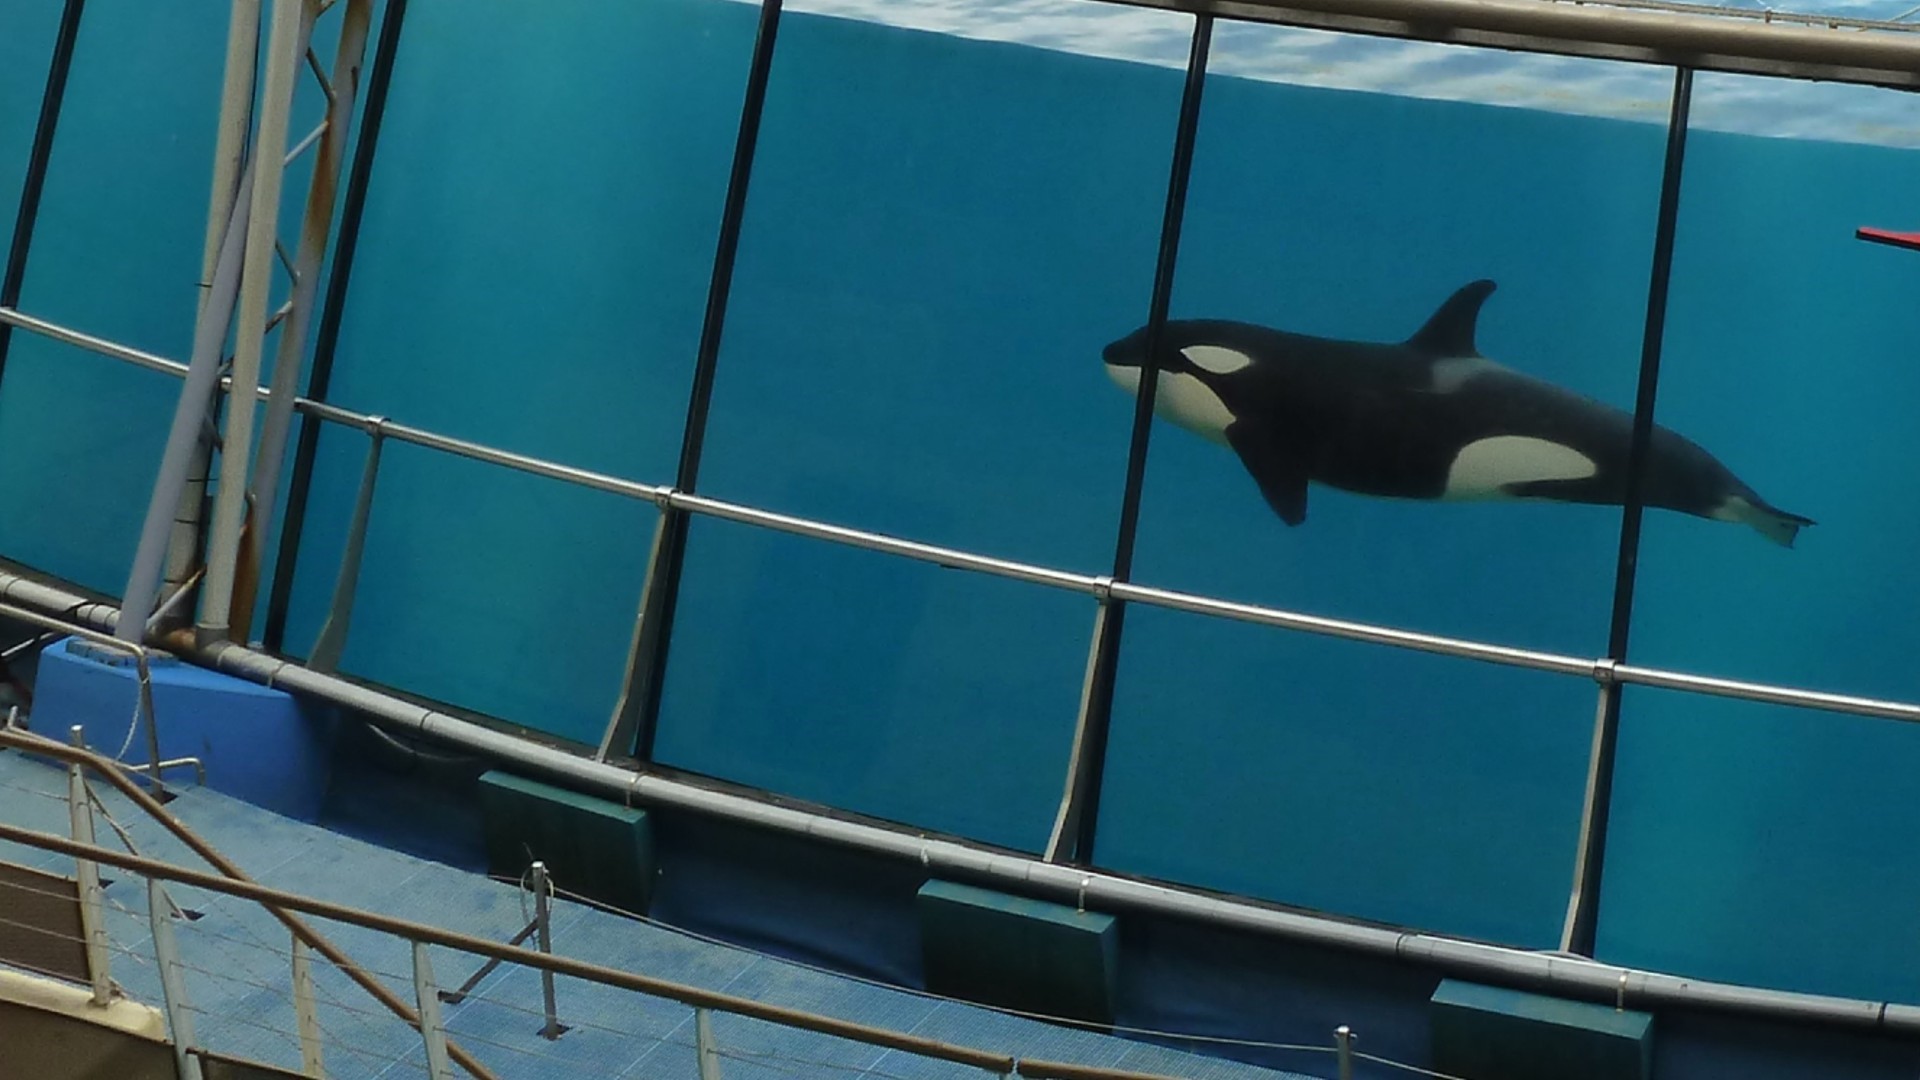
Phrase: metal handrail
pixel 143 670
pixel 279 902
pixel 1601 669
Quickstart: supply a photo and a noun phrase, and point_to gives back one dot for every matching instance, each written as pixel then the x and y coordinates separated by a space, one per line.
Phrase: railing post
pixel 1066 819
pixel 92 927
pixel 1343 1050
pixel 619 735
pixel 173 986
pixel 709 1051
pixel 431 1029
pixel 333 634
pixel 306 1016
pixel 542 920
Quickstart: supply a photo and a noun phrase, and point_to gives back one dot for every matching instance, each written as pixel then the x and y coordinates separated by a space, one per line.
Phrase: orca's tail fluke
pixel 1769 521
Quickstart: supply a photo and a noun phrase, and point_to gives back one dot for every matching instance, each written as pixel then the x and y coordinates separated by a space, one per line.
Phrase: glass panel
pixel 531 274
pixel 116 253
pixel 941 234
pixel 1788 348
pixel 1412 789
pixel 1763 845
pixel 873 683
pixel 1352 217
pixel 476 588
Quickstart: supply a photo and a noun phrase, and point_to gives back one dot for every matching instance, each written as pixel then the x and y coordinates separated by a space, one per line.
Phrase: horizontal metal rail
pixel 1600 669
pixel 1704 43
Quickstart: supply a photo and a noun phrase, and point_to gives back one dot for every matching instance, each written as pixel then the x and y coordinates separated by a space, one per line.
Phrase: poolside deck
pixel 238 977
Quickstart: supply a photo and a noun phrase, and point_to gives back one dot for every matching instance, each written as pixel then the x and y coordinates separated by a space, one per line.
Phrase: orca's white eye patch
pixel 1217 359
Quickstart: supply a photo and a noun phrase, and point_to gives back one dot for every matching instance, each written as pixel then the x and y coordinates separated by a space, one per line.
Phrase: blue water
pixel 941 235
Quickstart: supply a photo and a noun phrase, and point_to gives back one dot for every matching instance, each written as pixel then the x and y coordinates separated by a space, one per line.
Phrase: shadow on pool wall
pixel 1759 843
pixel 941 236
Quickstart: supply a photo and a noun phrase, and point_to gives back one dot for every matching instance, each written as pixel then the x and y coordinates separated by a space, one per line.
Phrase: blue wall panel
pixel 116 253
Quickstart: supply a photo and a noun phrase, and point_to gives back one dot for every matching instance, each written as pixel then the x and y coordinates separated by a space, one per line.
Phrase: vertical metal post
pixel 173 986
pixel 626 711
pixel 1066 819
pixel 1343 1050
pixel 708 1050
pixel 649 674
pixel 431 1028
pixel 542 918
pixel 15 275
pixel 333 633
pixel 1089 766
pixel 306 1017
pixel 352 209
pixel 92 926
pixel 285 44
pixel 314 229
pixel 1577 935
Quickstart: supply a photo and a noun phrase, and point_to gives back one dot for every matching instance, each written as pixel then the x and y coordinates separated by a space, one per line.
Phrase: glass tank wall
pixel 942 236
pixel 1789 352
pixel 939 236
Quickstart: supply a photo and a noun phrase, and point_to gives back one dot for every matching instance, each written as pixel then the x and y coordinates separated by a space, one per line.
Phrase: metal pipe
pixel 286 40
pixel 1599 31
pixel 1553 973
pixel 87 875
pixel 326 338
pixel 314 229
pixel 1101 891
pixel 1089 766
pixel 1343 1051
pixel 1583 920
pixel 663 593
pixel 39 156
pixel 432 1031
pixel 173 983
pixel 189 415
pixel 543 922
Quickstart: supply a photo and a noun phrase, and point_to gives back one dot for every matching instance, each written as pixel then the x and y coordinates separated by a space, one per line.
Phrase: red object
pixel 1908 240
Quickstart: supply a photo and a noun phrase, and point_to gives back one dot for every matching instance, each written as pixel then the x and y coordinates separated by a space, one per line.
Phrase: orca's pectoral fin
pixel 1280 472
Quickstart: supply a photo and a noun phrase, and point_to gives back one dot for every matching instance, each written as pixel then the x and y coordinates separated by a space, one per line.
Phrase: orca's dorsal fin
pixel 1450 331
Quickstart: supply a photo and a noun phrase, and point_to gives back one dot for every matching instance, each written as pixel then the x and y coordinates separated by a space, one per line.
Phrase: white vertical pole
pixel 230 149
pixel 709 1050
pixel 92 928
pixel 314 230
pixel 173 987
pixel 431 1028
pixel 306 1017
pixel 1343 1050
pixel 285 43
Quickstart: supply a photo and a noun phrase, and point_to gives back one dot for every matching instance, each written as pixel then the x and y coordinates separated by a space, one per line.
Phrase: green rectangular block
pixel 1490 1033
pixel 1018 953
pixel 591 846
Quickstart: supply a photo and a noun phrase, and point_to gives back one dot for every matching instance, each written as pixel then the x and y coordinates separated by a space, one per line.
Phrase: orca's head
pixel 1128 352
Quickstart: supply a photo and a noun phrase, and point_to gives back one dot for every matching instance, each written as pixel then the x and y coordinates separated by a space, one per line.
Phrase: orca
pixel 1425 418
